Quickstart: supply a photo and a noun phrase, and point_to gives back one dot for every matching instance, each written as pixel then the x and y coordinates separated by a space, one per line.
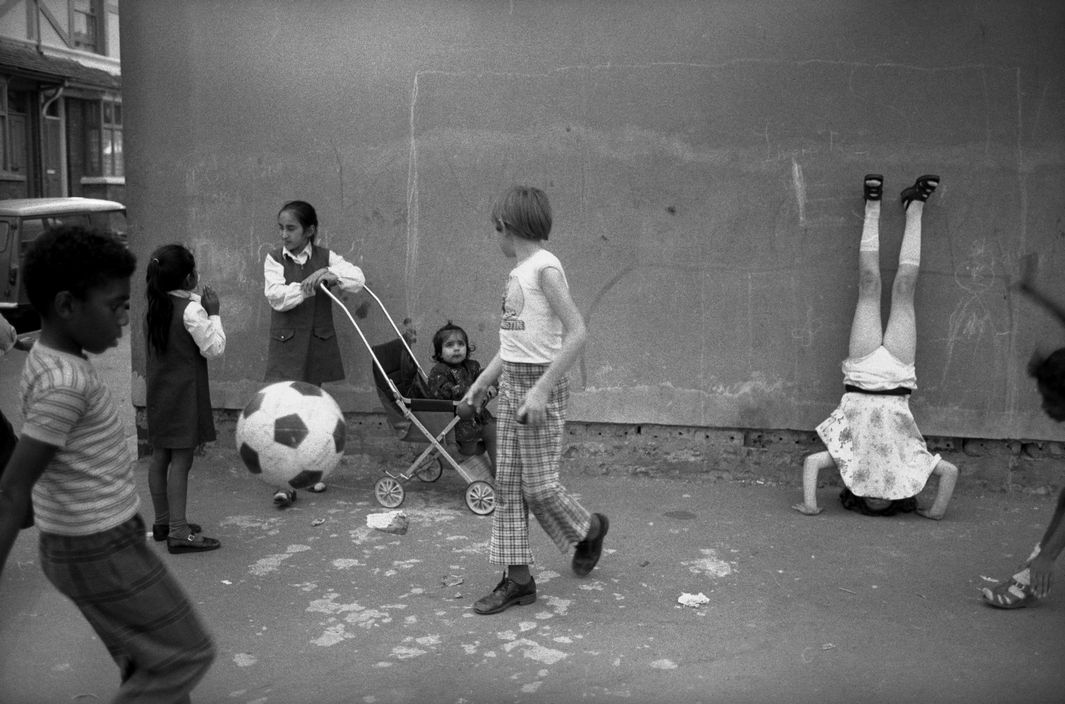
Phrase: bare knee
pixel 905 282
pixel 869 282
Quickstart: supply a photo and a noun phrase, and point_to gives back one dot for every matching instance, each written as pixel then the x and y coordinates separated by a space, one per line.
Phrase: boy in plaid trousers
pixel 540 337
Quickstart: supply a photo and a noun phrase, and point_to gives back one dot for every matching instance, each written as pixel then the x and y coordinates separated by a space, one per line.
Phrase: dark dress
pixel 178 394
pixel 303 344
pixel 451 382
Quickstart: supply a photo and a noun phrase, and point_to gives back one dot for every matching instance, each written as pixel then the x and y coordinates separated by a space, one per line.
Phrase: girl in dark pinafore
pixel 183 331
pixel 303 345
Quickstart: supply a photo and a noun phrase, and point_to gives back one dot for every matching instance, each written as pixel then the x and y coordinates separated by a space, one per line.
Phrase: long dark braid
pixel 168 270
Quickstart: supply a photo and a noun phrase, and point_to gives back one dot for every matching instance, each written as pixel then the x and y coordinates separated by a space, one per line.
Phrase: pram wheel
pixel 389 492
pixel 430 470
pixel 480 497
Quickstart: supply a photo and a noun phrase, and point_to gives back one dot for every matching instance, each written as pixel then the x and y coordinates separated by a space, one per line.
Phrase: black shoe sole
pixel 604 528
pixel 523 600
pixel 193 547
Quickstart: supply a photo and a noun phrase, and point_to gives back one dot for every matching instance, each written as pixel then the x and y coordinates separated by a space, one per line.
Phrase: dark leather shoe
pixel 506 594
pixel 194 543
pixel 160 531
pixel 284 498
pixel 586 556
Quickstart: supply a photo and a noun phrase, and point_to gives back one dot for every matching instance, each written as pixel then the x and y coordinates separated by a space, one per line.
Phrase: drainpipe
pixel 37 25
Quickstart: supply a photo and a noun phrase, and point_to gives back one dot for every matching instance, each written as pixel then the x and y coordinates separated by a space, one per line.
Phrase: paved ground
pixel 311 605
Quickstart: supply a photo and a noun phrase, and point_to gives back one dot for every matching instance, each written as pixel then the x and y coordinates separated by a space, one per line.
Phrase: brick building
pixel 60 99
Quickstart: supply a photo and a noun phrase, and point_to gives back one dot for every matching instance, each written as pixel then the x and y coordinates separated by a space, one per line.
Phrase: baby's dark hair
pixel 304 213
pixel 73 258
pixel 168 269
pixel 441 335
pixel 523 210
pixel 1049 371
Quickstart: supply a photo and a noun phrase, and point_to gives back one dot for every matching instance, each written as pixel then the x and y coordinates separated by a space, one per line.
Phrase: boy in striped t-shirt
pixel 73 458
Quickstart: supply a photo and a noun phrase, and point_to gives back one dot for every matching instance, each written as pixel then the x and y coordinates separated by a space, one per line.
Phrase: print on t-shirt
pixel 513 305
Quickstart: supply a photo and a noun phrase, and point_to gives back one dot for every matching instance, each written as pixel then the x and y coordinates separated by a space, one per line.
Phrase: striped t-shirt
pixel 88 486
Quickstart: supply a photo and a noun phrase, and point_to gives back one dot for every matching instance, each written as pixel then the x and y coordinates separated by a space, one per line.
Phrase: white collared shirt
pixel 282 296
pixel 205 329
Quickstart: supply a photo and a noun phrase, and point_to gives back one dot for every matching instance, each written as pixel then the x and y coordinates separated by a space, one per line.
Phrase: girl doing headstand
pixel 871 437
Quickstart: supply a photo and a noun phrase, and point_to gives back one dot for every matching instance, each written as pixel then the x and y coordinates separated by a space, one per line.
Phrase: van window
pixel 113 221
pixel 5 231
pixel 32 229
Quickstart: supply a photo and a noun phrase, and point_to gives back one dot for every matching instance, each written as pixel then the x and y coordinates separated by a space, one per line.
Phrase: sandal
pixel 923 187
pixel 874 186
pixel 1010 594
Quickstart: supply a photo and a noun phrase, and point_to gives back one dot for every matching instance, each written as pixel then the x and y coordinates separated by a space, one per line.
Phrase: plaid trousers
pixel 136 607
pixel 527 472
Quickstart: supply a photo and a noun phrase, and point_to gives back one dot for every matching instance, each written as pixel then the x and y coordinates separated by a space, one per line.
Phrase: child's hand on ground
pixel 1042 571
pixel 807 510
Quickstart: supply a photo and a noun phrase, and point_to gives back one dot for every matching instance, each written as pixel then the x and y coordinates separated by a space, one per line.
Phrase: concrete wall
pixel 704 161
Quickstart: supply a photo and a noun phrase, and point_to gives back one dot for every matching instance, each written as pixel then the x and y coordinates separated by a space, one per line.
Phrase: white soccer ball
pixel 292 433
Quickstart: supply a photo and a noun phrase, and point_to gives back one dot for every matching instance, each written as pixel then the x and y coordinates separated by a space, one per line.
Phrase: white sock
pixel 910 253
pixel 871 227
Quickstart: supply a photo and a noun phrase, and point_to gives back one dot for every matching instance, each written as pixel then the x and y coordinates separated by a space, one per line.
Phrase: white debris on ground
pixel 693 600
pixel 389 522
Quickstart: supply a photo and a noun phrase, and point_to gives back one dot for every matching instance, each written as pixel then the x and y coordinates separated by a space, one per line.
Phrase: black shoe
pixel 873 186
pixel 586 556
pixel 194 543
pixel 923 187
pixel 284 499
pixel 506 594
pixel 160 531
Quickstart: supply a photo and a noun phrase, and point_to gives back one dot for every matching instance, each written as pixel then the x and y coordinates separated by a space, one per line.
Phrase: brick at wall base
pixel 769 456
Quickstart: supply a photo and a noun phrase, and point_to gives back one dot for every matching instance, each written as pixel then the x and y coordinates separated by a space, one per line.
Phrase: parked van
pixel 22 220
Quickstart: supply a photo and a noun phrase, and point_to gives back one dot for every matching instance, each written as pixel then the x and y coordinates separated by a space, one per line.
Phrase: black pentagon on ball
pixel 251 458
pixel 306 389
pixel 290 430
pixel 254 404
pixel 340 435
pixel 305 479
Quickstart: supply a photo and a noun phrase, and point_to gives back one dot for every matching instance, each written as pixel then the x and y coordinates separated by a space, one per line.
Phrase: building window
pixel 85 25
pixel 13 121
pixel 111 139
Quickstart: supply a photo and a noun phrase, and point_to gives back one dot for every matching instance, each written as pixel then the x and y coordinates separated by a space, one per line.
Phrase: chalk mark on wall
pixel 799 183
pixel 973 319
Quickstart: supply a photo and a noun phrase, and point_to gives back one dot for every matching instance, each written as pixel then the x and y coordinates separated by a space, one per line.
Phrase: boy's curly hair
pixel 441 335
pixel 72 258
pixel 1049 370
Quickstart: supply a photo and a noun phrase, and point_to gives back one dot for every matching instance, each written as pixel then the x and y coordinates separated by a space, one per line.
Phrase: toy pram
pixel 401 386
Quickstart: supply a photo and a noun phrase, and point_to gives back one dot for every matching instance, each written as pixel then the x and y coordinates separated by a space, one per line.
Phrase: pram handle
pixel 369 347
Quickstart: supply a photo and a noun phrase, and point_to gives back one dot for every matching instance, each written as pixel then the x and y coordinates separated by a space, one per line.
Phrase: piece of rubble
pixel 389 522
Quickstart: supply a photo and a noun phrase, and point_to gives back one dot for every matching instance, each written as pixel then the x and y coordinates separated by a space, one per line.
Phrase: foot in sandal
pixel 1013 593
pixel 922 188
pixel 873 186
